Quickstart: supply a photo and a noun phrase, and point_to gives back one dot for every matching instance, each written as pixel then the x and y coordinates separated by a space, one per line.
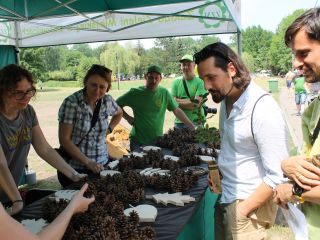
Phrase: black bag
pixel 63 153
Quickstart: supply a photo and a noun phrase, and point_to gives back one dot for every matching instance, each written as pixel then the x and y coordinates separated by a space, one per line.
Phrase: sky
pixel 266 13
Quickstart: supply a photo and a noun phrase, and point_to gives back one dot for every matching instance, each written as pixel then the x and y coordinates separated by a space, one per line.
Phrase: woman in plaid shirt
pixel 86 145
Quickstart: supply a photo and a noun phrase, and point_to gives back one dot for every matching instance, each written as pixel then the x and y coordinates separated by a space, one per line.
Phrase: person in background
pixel 300 92
pixel 186 89
pixel 10 229
pixel 86 144
pixel 289 78
pixel 19 128
pixel 303 37
pixel 254 140
pixel 149 104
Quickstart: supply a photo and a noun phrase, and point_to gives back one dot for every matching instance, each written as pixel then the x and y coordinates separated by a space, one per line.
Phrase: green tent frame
pixel 34 23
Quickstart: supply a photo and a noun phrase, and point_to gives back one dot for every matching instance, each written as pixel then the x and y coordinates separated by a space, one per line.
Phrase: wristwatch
pixel 297 192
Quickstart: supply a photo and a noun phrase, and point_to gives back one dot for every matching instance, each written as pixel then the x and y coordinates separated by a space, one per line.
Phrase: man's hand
pixel 283 194
pixel 301 171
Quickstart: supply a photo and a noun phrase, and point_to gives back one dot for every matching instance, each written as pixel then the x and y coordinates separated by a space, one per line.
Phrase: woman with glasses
pixel 19 128
pixel 83 123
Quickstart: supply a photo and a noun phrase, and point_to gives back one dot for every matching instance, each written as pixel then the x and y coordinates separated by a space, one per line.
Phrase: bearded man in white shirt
pixel 254 140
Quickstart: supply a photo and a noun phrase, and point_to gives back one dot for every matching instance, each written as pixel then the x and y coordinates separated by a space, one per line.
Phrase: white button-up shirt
pixel 245 162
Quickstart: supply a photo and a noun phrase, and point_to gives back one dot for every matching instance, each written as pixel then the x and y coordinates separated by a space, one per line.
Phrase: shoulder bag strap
pixel 186 88
pixel 254 106
pixel 315 133
pixel 94 119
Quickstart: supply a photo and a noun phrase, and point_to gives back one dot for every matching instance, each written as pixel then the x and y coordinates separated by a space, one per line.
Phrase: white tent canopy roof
pixel 181 18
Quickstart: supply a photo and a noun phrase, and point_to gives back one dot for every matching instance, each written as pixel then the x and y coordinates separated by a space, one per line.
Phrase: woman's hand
pixel 78 176
pixel 301 171
pixel 79 203
pixel 16 207
pixel 95 167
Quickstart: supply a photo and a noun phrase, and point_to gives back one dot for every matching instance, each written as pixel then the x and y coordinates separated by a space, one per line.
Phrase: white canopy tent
pixel 66 22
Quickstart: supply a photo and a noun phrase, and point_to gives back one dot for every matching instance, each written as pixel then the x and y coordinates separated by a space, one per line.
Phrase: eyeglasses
pixel 20 95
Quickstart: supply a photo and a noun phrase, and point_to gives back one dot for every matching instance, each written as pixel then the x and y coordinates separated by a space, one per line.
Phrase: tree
pixel 256 41
pixel 84 65
pixel 83 48
pixel 53 57
pixel 32 59
pixel 280 54
pixel 114 58
pixel 205 41
pixel 248 61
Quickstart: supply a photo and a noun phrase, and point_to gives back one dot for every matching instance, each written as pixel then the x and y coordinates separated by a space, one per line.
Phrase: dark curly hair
pixel 10 75
pixel 223 55
pixel 100 70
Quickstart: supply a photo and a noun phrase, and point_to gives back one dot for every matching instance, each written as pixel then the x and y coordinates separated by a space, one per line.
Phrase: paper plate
pixel 148 148
pixel 147 213
pixel 173 158
pixel 65 194
pixel 138 154
pixel 108 172
pixel 34 226
pixel 205 158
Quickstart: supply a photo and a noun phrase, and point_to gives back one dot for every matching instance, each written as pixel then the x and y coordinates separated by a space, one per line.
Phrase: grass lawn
pixel 48 100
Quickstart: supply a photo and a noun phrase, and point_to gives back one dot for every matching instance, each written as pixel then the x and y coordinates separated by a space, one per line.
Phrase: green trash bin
pixel 273 85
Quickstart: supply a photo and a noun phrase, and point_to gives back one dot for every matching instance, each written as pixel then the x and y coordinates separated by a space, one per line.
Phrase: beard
pixel 217 96
pixel 312 75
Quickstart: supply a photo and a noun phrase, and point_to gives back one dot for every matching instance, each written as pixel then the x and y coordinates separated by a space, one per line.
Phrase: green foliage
pixel 256 41
pixel 208 135
pixel 84 48
pixel 61 75
pixel 84 65
pixel 58 84
pixel 248 61
pixel 32 59
pixel 280 54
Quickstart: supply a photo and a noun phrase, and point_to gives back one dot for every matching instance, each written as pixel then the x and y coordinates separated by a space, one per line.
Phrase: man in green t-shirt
pixel 304 39
pixel 195 87
pixel 149 104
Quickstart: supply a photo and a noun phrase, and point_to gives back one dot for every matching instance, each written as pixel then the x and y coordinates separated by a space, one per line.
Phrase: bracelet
pixel 300 199
pixel 19 200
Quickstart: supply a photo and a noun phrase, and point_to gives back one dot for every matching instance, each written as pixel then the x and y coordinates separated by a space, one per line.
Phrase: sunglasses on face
pixel 20 95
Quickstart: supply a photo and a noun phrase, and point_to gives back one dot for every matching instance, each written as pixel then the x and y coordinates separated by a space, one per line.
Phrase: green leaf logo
pixel 213 10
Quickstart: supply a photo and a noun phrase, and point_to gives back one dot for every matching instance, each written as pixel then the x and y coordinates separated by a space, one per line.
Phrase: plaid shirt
pixel 74 110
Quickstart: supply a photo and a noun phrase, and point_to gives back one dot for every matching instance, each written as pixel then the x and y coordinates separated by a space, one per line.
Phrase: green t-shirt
pixel 195 88
pixel 299 85
pixel 149 110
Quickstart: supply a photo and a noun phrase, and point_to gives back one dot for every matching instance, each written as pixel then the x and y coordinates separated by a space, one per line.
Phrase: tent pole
pixel 239 39
pixel 16 33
